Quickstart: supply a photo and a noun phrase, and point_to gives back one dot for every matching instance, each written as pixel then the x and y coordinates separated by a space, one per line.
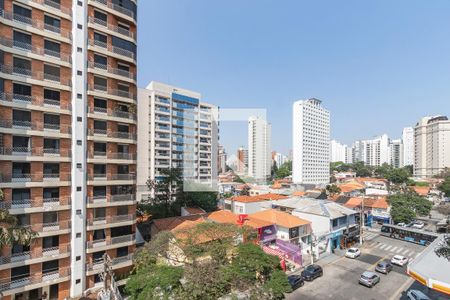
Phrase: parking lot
pixel 340 279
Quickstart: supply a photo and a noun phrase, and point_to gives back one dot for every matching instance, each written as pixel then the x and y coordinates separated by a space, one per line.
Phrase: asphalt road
pixel 340 279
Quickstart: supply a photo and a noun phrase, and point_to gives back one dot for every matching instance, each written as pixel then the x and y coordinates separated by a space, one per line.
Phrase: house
pixel 376 209
pixel 249 204
pixel 333 225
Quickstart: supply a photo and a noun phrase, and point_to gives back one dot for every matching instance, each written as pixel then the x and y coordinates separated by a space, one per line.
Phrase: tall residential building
pixel 396 153
pixel 432 146
pixel 311 142
pixel 278 158
pixel 338 152
pixel 242 160
pixel 408 146
pixel 373 152
pixel 67 142
pixel 176 130
pixel 222 160
pixel 259 152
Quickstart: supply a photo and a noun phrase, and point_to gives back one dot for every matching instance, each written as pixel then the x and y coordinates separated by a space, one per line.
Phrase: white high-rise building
pixel 408 146
pixel 311 142
pixel 176 130
pixel 396 153
pixel 374 152
pixel 222 160
pixel 259 152
pixel 432 146
pixel 338 152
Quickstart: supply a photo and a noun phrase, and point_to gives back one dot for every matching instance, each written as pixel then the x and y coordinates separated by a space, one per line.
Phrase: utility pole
pixel 361 219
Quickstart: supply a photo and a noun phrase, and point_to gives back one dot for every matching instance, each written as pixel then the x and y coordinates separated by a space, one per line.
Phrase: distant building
pixel 242 161
pixel 311 142
pixel 432 146
pixel 408 146
pixel 222 160
pixel 259 152
pixel 373 152
pixel 279 158
pixel 339 152
pixel 396 153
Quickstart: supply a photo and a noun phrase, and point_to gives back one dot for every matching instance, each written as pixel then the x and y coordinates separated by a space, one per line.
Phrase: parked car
pixel 311 272
pixel 418 225
pixel 384 267
pixel 417 295
pixel 399 260
pixel 352 253
pixel 401 224
pixel 296 281
pixel 369 279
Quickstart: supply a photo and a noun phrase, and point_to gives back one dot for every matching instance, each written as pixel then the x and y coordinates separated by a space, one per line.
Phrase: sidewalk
pixel 326 260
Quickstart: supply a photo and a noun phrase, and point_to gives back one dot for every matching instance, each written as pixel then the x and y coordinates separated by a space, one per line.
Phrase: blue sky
pixel 378 66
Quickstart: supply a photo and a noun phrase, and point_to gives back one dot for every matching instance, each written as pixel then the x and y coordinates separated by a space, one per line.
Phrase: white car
pixel 401 224
pixel 352 253
pixel 418 225
pixel 399 260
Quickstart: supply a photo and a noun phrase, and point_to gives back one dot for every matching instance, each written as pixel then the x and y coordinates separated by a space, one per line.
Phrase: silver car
pixel 384 267
pixel 369 279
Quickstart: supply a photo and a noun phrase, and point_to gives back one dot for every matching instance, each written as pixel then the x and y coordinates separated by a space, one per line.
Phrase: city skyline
pixel 348 60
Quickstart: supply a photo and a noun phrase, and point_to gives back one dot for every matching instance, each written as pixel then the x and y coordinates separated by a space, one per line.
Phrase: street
pixel 340 279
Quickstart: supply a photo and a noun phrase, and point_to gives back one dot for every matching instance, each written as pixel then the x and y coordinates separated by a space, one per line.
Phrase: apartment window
pixel 52 97
pixel 100 170
pixel 123 26
pixel 50 193
pixel 100 16
pixel 51 121
pixel 122 210
pixel 52 23
pixel 21 89
pixel 21 143
pixel 100 61
pixel 123 88
pixel 22 40
pixel 51 146
pixel 122 251
pixel 20 272
pixel 50 217
pixel 19 195
pixel 100 105
pixel 50 241
pixel 98 37
pixel 22 14
pixel 19 249
pixel 99 148
pixel 22 66
pixel 99 213
pixel 52 48
pixel 122 169
pixel 98 256
pixel 50 266
pixel 119 231
pixel 20 170
pixel 99 235
pixel 122 148
pixel 100 83
pixel 51 73
pixel 122 128
pixel 124 44
pixel 100 125
pixel 99 191
pixel 21 117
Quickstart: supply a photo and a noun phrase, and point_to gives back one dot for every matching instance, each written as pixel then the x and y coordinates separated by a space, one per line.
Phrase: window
pixel 100 105
pixel 50 266
pixel 20 272
pixel 100 38
pixel 100 125
pixel 18 195
pixel 100 83
pixel 51 72
pixel 51 121
pixel 50 241
pixel 22 14
pixel 21 117
pixel 52 48
pixel 50 193
pixel 126 45
pixel 122 251
pixel 100 170
pixel 21 89
pixel 122 128
pixel 100 148
pixel 52 97
pixel 100 16
pixel 22 66
pixel 51 145
pixel 122 210
pixel 100 61
pixel 21 143
pixel 50 217
pixel 22 40
pixel 99 191
pixel 52 23
pixel 99 234
pixel 99 213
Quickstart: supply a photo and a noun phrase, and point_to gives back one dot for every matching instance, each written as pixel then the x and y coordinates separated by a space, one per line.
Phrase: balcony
pixel 36 126
pixel 112 92
pixel 116 262
pixel 12 44
pixel 51 226
pixel 39 25
pixel 114 49
pixel 112 134
pixel 109 220
pixel 103 200
pixel 113 113
pixel 48 278
pixel 26 177
pixel 117 8
pixel 33 100
pixel 55 5
pixel 111 70
pixel 27 73
pixel 125 239
pixel 111 177
pixel 38 254
pixel 44 203
pixel 112 27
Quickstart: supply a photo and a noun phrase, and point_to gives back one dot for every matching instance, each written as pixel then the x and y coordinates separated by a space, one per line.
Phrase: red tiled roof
pixel 279 218
pixel 258 198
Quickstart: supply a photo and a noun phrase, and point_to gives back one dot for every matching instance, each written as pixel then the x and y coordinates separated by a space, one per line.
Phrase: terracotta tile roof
pixel 350 186
pixel 279 218
pixel 298 193
pixel 370 179
pixel 368 202
pixel 258 198
pixel 175 223
pixel 225 216
pixel 353 202
pixel 380 203
pixel 194 210
pixel 421 190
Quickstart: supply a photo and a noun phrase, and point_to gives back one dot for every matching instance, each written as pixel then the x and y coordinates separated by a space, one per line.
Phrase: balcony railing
pixel 55 5
pixel 112 27
pixel 26 177
pixel 11 283
pixel 113 241
pixel 113 113
pixel 111 220
pixel 112 134
pixel 111 177
pixel 111 70
pixel 51 226
pixel 36 202
pixel 112 92
pixel 114 49
pixel 38 126
pixel 98 265
pixel 116 7
pixel 27 73
pixel 111 198
pixel 7 15
pixel 34 100
pixel 10 43
pixel 39 253
pixel 113 155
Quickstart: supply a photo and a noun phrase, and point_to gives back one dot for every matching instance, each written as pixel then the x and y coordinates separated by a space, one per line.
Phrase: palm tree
pixel 11 232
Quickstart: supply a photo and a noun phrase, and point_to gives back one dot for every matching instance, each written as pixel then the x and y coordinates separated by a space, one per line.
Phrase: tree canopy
pixel 405 207
pixel 445 187
pixel 284 170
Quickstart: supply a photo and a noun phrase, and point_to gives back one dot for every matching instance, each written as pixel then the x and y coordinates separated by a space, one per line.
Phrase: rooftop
pixel 325 208
pixel 279 218
pixel 258 198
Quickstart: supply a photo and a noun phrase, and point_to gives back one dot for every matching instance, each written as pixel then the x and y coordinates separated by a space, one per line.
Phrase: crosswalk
pixel 368 236
pixel 392 249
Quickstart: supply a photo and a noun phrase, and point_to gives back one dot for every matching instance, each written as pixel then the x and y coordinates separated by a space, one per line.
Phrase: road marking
pixel 399 250
pixel 404 252
pixel 382 246
pixel 387 249
pixel 411 253
pixel 393 249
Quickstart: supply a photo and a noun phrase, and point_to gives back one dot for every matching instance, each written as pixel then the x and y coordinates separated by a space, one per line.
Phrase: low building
pixel 250 204
pixel 376 209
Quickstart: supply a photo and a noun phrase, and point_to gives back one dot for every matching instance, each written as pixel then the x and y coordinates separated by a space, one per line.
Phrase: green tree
pixel 383 170
pixel 443 249
pixel 445 187
pixel 362 170
pixel 398 176
pixel 278 284
pixel 274 169
pixel 205 200
pixel 333 189
pixel 284 170
pixel 407 206
pixel 11 232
